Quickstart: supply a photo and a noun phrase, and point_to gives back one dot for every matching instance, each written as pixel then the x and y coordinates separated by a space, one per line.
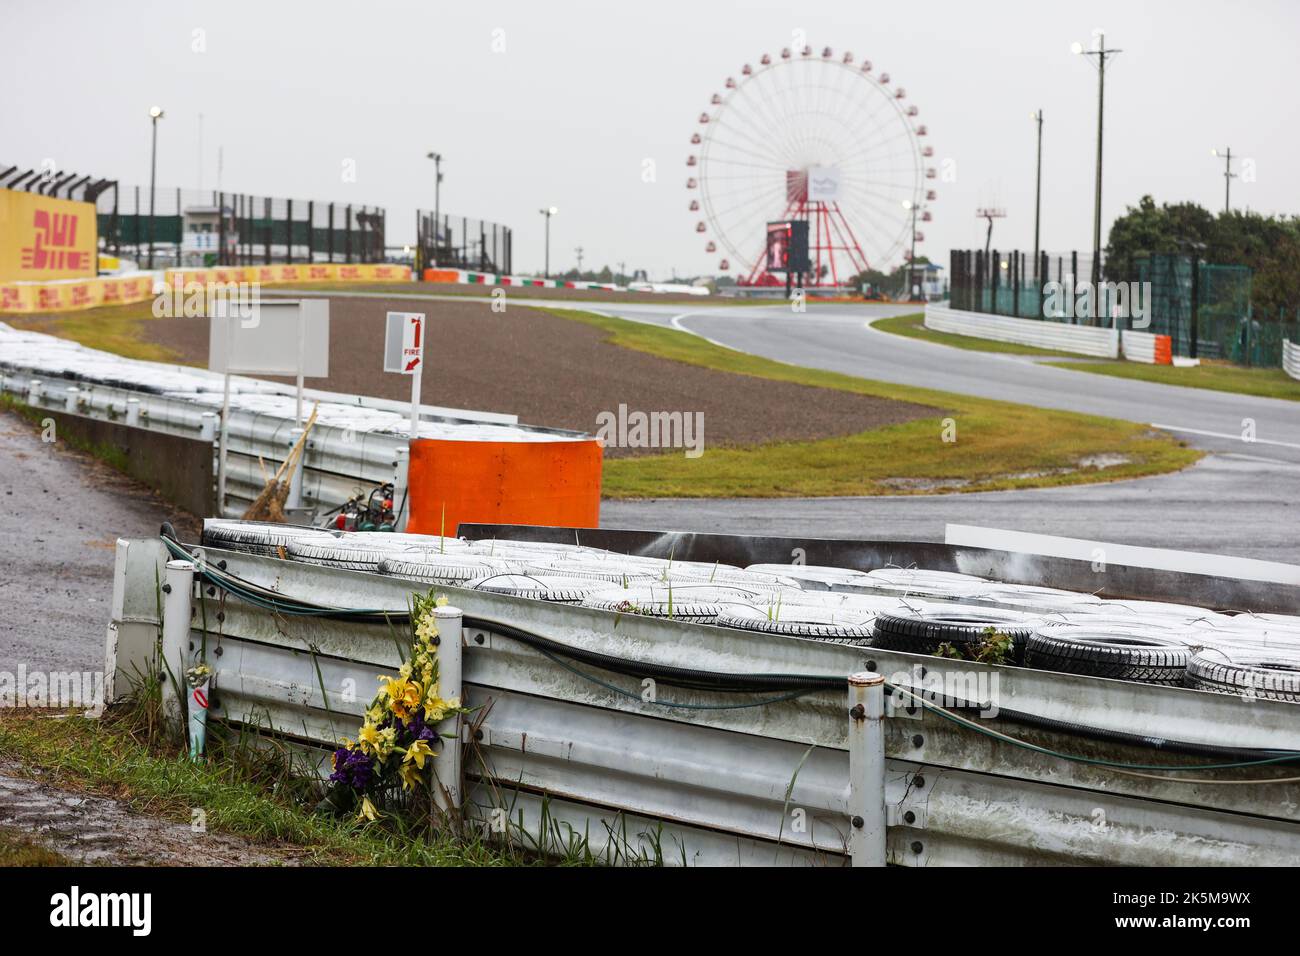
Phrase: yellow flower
pixel 368 811
pixel 405 670
pixel 441 600
pixel 410 776
pixel 403 695
pixel 369 738
pixel 417 753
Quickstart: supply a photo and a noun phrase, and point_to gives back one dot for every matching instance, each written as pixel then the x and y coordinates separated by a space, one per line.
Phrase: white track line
pixel 1229 436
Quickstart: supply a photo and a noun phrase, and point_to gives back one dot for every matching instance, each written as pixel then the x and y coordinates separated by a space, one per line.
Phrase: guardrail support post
pixel 207 424
pixel 70 398
pixel 401 485
pixel 34 392
pixel 178 583
pixel 446 766
pixel 133 412
pixel 867 769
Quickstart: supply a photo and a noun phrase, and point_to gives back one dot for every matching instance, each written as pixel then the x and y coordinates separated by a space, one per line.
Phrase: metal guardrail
pixel 1291 358
pixel 764 783
pixel 339 462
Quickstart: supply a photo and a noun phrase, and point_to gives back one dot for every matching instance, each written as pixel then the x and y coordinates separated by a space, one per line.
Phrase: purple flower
pixel 417 729
pixel 353 768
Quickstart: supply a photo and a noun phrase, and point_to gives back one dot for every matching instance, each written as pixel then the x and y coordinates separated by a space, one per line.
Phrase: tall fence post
pixel 867 769
pixel 401 485
pixel 178 582
pixel 446 766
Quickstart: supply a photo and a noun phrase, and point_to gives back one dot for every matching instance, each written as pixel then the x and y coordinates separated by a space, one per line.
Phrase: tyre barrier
pixel 913 610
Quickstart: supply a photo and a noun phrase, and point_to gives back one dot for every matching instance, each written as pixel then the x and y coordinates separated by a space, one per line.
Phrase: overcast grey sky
pixel 584 92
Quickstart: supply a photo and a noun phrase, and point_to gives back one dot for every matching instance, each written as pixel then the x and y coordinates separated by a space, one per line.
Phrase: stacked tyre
pixel 1146 655
pixel 963 627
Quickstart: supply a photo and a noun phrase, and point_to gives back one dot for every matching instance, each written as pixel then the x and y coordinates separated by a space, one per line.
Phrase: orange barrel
pixel 553 483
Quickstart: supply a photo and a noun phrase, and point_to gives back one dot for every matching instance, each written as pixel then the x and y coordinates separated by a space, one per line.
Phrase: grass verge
pixel 999 445
pixel 110 757
pixel 17 849
pixel 913 327
pixel 1215 376
pixel 114 328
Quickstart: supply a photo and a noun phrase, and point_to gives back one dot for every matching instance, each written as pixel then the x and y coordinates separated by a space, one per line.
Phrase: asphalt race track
pixel 1242 499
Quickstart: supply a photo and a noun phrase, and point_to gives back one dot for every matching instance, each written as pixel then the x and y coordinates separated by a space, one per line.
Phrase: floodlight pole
pixel 1038 189
pixel 155 114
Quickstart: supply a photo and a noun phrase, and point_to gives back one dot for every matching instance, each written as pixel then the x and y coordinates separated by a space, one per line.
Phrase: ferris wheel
pixel 816 140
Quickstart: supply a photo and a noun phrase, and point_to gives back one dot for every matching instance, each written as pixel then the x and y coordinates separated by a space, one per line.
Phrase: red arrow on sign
pixel 412 364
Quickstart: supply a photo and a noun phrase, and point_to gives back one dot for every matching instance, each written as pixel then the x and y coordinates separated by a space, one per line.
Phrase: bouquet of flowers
pixel 398 735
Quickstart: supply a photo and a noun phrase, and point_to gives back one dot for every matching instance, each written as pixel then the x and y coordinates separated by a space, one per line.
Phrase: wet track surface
pixel 61 513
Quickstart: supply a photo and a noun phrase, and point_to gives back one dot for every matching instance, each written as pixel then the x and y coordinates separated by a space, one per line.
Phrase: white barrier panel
pixel 1291 358
pixel 1043 334
pixel 1139 346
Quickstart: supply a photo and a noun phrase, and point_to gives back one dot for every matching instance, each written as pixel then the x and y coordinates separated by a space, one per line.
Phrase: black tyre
pixel 1146 657
pixel 1273 677
pixel 822 624
pixel 958 625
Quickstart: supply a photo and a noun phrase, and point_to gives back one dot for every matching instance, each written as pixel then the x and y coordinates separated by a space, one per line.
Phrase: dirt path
pixel 96 830
pixel 61 513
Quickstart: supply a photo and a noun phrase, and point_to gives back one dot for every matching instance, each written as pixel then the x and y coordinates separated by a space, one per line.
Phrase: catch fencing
pixel 202 228
pixel 445 241
pixel 561 749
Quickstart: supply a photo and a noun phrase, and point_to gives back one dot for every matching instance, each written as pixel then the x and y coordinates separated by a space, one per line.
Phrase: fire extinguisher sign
pixel 404 342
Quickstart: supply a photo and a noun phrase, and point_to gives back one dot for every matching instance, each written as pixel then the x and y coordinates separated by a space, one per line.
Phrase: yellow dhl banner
pixel 306 272
pixel 74 295
pixel 45 238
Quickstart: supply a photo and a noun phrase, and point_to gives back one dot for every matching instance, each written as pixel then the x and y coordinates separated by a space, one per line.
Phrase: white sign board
pixel 823 184
pixel 404 342
pixel 270 338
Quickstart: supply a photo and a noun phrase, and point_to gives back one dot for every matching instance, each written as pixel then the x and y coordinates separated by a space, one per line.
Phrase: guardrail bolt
pixel 166 589
pixel 858 712
pixel 478 734
pixel 871 666
pixel 909 817
pixel 478 638
pixel 917 847
pixel 859 823
pixel 917 740
pixel 918 781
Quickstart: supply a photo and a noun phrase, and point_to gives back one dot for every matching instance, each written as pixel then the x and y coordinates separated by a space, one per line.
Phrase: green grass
pixel 106 757
pixel 18 849
pixel 115 328
pixel 1218 377
pixel 913 327
pixel 999 445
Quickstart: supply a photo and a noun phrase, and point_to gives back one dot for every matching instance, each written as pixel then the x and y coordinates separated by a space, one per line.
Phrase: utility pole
pixel 911 256
pixel 1038 188
pixel 1101 54
pixel 990 214
pixel 1228 175
pixel 578 251
pixel 622 271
